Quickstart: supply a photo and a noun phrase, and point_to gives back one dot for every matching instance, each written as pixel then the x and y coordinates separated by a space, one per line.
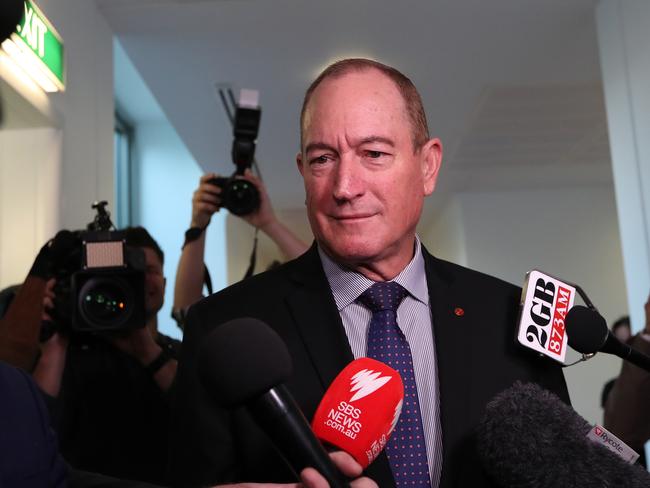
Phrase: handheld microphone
pixel 245 363
pixel 11 11
pixel 588 334
pixel 529 438
pixel 360 409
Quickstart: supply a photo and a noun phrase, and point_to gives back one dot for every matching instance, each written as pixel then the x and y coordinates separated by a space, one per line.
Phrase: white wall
pixel 165 177
pixel 29 191
pixel 50 177
pixel 241 237
pixel 86 106
pixel 571 233
pixel 445 236
pixel 624 41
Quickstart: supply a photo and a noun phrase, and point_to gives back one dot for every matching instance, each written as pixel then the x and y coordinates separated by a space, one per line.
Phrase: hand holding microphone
pixel 310 478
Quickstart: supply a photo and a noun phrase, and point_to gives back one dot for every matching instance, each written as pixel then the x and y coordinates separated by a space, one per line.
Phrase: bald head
pixel 406 88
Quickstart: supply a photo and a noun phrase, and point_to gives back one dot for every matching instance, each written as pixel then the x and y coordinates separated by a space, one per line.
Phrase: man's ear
pixel 431 154
pixel 299 163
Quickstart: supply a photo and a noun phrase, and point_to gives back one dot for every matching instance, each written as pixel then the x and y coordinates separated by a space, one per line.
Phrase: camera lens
pixel 106 302
pixel 241 197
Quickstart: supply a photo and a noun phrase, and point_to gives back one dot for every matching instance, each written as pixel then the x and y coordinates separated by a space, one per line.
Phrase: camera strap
pixel 206 279
pixel 251 265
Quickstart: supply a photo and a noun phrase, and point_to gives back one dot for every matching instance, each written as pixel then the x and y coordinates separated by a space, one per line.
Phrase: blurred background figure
pixel 627 406
pixel 621 329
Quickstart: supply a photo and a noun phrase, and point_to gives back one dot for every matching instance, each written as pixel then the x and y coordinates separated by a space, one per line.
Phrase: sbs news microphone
pixel 11 12
pixel 529 438
pixel 588 334
pixel 244 362
pixel 360 409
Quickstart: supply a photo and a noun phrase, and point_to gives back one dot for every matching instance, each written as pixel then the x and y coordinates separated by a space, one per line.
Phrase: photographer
pixel 205 202
pixel 108 390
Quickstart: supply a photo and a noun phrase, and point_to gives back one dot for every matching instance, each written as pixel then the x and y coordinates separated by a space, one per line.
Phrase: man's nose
pixel 349 182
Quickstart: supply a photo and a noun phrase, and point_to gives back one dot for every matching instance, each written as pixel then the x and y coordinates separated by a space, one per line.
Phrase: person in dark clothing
pixel 621 329
pixel 626 406
pixel 28 449
pixel 29 455
pixel 108 393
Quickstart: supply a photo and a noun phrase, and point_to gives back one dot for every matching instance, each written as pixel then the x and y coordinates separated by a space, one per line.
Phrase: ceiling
pixel 512 87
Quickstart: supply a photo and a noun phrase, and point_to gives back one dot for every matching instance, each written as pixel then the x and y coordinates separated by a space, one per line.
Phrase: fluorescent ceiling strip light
pixel 29 65
pixel 18 72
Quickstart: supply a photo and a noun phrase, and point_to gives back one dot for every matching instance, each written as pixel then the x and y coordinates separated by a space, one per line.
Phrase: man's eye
pixel 319 159
pixel 374 154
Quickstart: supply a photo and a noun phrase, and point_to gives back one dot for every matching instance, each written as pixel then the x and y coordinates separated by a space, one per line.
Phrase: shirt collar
pixel 347 284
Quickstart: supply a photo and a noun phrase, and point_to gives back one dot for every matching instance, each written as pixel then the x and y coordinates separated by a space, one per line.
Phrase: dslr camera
pixel 240 196
pixel 99 281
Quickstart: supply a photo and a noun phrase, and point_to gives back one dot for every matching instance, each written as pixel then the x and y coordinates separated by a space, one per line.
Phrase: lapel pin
pixel 459 312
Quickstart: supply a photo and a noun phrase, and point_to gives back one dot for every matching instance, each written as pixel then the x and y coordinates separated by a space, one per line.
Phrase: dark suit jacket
pixel 476 352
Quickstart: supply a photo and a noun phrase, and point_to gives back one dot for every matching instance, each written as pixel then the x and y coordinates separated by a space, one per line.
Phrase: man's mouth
pixel 352 217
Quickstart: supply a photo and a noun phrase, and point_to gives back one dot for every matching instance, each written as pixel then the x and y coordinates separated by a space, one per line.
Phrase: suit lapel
pixel 319 324
pixel 451 337
pixel 317 318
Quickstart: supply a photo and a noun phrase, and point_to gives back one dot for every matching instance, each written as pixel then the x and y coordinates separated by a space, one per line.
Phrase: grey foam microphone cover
pixel 529 438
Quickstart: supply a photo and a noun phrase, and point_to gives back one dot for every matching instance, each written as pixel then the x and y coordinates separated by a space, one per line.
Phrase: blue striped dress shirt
pixel 414 319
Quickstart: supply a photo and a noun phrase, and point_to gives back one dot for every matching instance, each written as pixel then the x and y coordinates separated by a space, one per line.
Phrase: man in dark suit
pixel 367 162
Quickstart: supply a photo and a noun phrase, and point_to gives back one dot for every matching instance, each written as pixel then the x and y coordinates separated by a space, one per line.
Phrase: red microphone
pixel 360 409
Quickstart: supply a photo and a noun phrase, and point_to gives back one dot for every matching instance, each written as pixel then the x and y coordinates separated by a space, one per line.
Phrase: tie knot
pixel 385 295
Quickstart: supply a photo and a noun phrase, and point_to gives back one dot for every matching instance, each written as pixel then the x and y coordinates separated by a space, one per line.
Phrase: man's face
pixel 154 283
pixel 364 181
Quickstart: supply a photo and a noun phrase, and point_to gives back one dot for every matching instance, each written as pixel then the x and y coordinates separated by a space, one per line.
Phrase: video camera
pixel 99 281
pixel 240 196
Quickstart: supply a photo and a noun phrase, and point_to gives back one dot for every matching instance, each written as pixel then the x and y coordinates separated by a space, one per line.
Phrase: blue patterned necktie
pixel 406 447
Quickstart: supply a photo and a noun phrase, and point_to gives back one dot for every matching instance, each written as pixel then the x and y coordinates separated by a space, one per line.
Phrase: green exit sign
pixel 38 36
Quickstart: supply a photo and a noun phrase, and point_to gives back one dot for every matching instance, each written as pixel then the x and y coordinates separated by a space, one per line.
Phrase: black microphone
pixel 529 438
pixel 245 363
pixel 588 333
pixel 11 12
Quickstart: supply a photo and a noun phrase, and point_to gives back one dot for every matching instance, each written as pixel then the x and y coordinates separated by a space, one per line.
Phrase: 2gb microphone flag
pixel 545 302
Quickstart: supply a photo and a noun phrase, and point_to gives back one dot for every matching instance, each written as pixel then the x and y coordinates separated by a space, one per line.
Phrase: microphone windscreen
pixel 530 438
pixel 11 12
pixel 360 409
pixel 586 329
pixel 242 359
